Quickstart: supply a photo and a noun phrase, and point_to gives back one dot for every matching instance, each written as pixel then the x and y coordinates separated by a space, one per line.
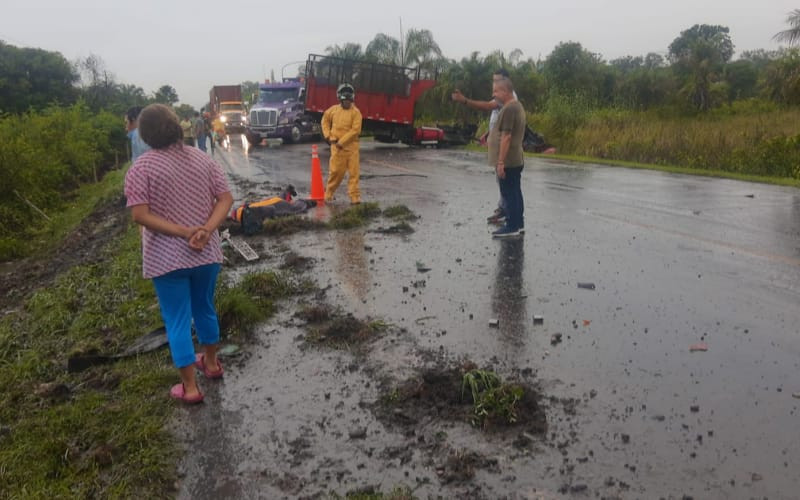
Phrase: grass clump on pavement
pixel 400 213
pixel 491 398
pixel 355 216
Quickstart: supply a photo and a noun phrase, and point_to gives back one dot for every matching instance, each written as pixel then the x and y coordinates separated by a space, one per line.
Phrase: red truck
pixel 225 102
pixel 385 95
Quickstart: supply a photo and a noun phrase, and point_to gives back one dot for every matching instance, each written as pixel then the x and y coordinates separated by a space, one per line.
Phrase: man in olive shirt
pixel 505 155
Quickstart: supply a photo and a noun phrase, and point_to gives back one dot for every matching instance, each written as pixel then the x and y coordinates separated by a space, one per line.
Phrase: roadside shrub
pixel 44 156
pixel 752 137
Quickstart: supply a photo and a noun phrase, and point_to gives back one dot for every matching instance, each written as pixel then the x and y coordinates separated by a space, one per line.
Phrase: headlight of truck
pixel 244 119
pixel 223 118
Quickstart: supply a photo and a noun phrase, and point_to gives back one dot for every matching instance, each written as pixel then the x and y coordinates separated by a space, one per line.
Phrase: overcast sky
pixel 194 45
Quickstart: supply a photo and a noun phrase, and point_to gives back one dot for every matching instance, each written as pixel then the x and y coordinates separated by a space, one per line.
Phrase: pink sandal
pixel 200 363
pixel 178 392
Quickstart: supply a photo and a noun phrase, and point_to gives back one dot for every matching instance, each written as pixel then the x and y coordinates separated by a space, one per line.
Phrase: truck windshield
pixel 233 106
pixel 277 95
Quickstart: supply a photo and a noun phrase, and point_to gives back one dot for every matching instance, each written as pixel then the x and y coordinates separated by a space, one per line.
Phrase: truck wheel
pixel 254 140
pixel 296 135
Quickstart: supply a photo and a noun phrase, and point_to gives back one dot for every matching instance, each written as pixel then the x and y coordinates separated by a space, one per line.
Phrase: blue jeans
pixel 201 142
pixel 183 295
pixel 512 194
pixel 501 203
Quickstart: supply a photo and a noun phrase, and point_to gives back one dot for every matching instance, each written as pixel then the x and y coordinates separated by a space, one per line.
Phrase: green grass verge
pixel 722 174
pixel 100 433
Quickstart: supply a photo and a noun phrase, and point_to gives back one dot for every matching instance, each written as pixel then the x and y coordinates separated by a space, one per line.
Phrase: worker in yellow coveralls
pixel 341 126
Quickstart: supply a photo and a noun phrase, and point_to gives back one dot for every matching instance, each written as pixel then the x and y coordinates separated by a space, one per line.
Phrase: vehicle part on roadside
pixel 586 286
pixel 146 343
pixel 537 319
pixel 242 247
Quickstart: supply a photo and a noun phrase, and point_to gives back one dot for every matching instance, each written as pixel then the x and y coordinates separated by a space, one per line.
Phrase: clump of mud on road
pixel 333 329
pixel 444 394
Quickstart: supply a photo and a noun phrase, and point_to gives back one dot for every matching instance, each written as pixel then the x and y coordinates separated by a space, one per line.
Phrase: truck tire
pixel 296 134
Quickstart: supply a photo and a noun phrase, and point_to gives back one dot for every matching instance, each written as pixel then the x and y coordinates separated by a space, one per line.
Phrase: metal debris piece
pixel 494 322
pixel 537 319
pixel 586 286
pixel 241 246
pixel 700 346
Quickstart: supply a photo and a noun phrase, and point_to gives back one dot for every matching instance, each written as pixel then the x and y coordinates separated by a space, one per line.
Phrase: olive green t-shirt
pixel 511 120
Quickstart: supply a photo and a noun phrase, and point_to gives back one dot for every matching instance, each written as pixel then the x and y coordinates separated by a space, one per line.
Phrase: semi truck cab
pixel 279 112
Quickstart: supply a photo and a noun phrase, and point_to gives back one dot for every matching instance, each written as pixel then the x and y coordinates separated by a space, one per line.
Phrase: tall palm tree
pixel 418 48
pixel 347 51
pixel 792 35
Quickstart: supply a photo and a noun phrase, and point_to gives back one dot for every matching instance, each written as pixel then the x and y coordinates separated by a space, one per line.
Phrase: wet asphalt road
pixel 675 260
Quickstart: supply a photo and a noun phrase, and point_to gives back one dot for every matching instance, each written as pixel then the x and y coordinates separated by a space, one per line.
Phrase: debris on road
pixel 494 322
pixel 796 395
pixel 587 322
pixel 538 319
pixel 241 246
pixel 229 350
pixel 555 339
pixel 586 286
pixel 422 268
pixel 699 347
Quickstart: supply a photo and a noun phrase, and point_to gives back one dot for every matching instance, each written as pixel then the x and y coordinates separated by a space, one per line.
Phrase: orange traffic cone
pixel 317 188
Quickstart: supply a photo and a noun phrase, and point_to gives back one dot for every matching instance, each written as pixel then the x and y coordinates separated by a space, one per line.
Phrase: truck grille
pixel 264 117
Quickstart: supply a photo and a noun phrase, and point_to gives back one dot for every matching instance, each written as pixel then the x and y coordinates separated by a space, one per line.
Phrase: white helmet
pixel 346 92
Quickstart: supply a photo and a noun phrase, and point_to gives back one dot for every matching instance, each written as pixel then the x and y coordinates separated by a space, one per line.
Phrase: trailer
pixel 386 95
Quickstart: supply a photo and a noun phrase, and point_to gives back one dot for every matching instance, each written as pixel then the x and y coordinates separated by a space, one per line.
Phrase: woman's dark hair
pixel 159 126
pixel 133 113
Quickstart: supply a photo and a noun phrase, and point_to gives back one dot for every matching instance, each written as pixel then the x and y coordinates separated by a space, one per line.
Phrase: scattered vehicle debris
pixel 699 347
pixel 146 343
pixel 586 286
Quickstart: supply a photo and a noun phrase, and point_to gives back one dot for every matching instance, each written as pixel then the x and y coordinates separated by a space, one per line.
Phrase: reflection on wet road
pixel 676 260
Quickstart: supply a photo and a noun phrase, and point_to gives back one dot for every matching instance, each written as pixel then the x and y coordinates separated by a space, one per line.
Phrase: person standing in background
pixel 200 131
pixel 506 156
pixel 494 106
pixel 132 126
pixel 341 126
pixel 188 131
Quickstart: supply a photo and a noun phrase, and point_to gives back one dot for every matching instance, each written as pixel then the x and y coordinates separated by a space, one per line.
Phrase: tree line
pixel 697 74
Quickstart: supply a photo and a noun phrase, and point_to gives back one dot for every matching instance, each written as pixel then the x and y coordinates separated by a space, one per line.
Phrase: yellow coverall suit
pixel 342 127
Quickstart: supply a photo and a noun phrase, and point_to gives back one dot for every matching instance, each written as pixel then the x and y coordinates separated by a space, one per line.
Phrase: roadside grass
pixel 101 433
pixel 704 172
pixel 355 216
pixel 752 140
pixel 397 493
pixel 281 226
pixel 44 235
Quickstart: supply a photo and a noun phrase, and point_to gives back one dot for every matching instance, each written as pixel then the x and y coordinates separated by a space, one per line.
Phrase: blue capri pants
pixel 183 295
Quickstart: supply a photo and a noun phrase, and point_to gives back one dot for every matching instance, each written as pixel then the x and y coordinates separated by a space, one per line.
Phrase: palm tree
pixel 792 35
pixel 417 49
pixel 347 51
